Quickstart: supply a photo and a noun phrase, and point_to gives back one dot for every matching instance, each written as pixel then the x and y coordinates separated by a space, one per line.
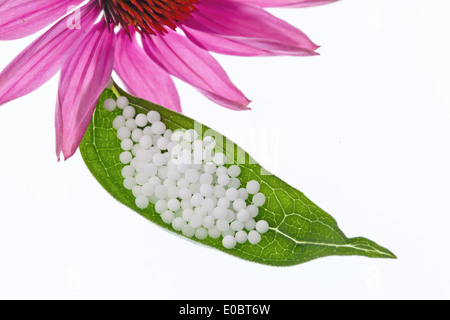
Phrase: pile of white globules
pixel 185 179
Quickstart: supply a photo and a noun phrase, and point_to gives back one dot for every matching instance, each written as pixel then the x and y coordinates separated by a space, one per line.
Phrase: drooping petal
pixel 288 3
pixel 143 77
pixel 41 60
pixel 20 18
pixel 83 78
pixel 190 63
pixel 230 27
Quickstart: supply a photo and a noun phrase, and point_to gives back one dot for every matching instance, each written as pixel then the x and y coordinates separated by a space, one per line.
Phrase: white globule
pixel 190 185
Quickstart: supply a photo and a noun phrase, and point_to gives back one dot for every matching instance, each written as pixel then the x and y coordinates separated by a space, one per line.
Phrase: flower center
pixel 148 17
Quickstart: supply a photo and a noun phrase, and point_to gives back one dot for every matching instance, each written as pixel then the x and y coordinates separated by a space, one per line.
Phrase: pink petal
pixel 143 77
pixel 231 27
pixel 83 78
pixel 190 63
pixel 288 3
pixel 20 18
pixel 41 60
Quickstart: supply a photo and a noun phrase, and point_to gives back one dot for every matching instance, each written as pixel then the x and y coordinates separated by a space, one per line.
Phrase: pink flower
pixel 87 51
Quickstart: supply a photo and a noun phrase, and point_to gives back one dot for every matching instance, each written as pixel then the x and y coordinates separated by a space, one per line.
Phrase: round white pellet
pixel 239 204
pixel 129 112
pixel 150 169
pixel 122 102
pixel 161 206
pixel 172 191
pixel 243 193
pixel 250 224
pixel 253 187
pixel 237 225
pixel 234 171
pixel 206 178
pixel 210 168
pixel 223 180
pixel 232 194
pixel 229 242
pixel 135 149
pixel 129 183
pixel 119 122
pixel 148 131
pixel 262 226
pixel 214 233
pixel 254 237
pixel 168 134
pixel 188 231
pixel 243 215
pixel 241 236
pixel 137 191
pixel 110 104
pixel 224 203
pixel 162 143
pixel 187 214
pixel 209 142
pixel 177 136
pixel 253 210
pixel 178 224
pixel 153 116
pixel 126 144
pixel 259 199
pixel 220 159
pixel 208 204
pixel 154 181
pixel 146 142
pixel 148 189
pixel 173 174
pixel 208 222
pixel 131 124
pixel 158 127
pixel 142 202
pixel 222 225
pixel 190 135
pixel 219 191
pixel 201 233
pixel 196 221
pixel 127 171
pixel 234 183
pixel 206 190
pixel 186 204
pixel 220 212
pixel 136 135
pixel 185 194
pixel 161 192
pixel 221 170
pixel 141 178
pixel 173 204
pixel 125 157
pixel 123 133
pixel 231 216
pixel 167 216
pixel 197 200
pixel 163 171
pixel 191 175
pixel 159 159
pixel 141 120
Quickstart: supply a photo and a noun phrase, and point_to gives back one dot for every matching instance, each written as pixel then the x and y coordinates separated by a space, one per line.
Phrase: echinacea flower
pixel 101 36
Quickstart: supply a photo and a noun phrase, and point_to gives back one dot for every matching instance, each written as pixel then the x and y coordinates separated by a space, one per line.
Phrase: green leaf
pixel 299 230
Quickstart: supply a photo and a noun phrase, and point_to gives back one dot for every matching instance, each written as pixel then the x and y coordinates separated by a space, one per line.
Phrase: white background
pixel 363 130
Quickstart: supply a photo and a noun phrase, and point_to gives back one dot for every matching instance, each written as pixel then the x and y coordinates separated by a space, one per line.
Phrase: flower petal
pixel 143 77
pixel 83 78
pixel 243 29
pixel 20 18
pixel 190 63
pixel 41 60
pixel 288 3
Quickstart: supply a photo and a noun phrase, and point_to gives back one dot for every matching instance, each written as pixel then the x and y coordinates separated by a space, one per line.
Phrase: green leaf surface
pixel 299 230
